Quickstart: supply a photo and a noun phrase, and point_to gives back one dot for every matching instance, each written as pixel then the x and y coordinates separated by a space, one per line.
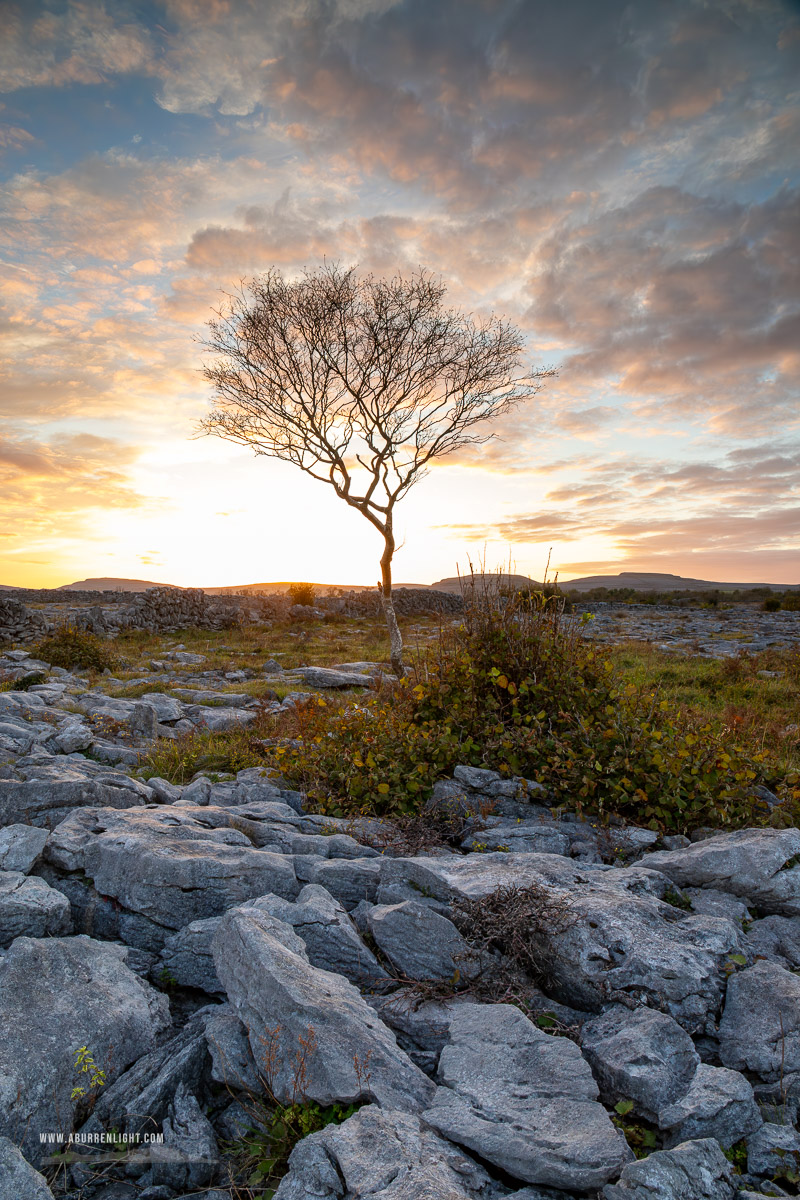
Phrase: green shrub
pixel 70 647
pixel 302 593
pixel 772 604
pixel 517 688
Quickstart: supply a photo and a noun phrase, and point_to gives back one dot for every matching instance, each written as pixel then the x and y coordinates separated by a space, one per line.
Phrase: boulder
pixel 757 864
pixel 73 737
pixel 419 942
pixel 379 1154
pixel 188 1158
pixel 719 1104
pixel 18 1179
pixel 773 1150
pixel 21 847
pixel 57 995
pixel 331 939
pixel 692 1171
pixel 232 1061
pixel 186 958
pixel 640 1055
pixel 760 1027
pixel 29 907
pixel 139 1100
pixel 776 938
pixel 309 1030
pixel 524 1101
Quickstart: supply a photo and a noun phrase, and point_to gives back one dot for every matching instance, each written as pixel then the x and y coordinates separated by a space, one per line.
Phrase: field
pixel 741 711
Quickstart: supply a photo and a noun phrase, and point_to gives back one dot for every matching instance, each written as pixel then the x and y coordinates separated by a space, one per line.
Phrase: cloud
pixel 83 44
pixel 746 503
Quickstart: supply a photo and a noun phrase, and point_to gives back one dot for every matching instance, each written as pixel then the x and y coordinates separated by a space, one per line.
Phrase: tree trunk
pixel 395 636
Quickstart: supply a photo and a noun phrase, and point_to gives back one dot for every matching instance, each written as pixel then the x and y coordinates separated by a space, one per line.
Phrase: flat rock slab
pixel 56 995
pixel 760 1026
pixel 44 792
pixel 218 718
pixel 692 1171
pixel 756 864
pixel 524 1101
pixel 325 677
pixel 381 1155
pixel 28 907
pixel 169 864
pixel 301 1018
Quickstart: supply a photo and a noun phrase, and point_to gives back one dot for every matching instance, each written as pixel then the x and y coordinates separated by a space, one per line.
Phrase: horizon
pixel 619 180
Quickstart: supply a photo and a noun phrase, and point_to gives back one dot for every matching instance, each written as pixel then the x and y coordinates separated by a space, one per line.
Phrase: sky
pixel 619 179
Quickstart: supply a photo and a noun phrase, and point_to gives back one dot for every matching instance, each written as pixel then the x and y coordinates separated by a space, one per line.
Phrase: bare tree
pixel 360 382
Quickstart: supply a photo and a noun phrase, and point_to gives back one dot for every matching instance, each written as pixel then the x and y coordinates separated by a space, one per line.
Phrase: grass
pixel 292 643
pixel 728 692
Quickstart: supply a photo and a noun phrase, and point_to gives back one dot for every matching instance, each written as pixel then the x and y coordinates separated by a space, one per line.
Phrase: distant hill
pixel 111 585
pixel 454 583
pixel 655 581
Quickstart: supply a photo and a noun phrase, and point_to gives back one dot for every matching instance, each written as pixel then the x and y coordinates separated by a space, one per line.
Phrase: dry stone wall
pixel 164 609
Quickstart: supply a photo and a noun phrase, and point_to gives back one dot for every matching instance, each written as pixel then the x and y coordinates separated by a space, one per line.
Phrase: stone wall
pixel 164 609
pixel 18 623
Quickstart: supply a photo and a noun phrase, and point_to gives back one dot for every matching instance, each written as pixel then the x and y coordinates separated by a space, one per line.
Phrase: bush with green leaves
pixel 70 647
pixel 302 593
pixel 517 688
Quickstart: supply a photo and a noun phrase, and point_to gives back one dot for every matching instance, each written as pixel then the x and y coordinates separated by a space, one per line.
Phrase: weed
pixel 258 1160
pixel 677 899
pixel 640 1136
pixel 517 924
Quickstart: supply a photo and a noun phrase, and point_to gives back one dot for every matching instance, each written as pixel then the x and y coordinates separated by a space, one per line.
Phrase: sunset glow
pixel 621 180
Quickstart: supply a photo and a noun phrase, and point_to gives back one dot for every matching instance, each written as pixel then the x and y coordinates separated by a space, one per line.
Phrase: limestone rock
pixel 773 1149
pixel 29 907
pixel 419 942
pixel 168 864
pixel 641 1055
pixel 692 1171
pixel 186 957
pixel 719 1104
pixel 231 1057
pixel 44 792
pixel 139 1100
pixel 20 847
pixel 379 1154
pixel 524 1101
pixel 188 1157
pixel 18 1179
pixel 756 864
pixel 616 935
pixel 776 938
pixel 56 995
pixel 331 939
pixel 760 1026
pixel 298 1009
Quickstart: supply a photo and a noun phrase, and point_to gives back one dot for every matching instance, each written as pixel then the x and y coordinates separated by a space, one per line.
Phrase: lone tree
pixel 361 383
